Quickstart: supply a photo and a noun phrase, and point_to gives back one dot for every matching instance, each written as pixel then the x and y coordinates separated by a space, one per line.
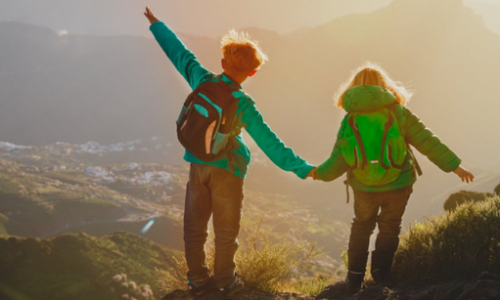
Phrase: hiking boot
pixel 233 288
pixel 207 290
pixel 354 281
pixel 381 268
pixel 356 264
pixel 383 278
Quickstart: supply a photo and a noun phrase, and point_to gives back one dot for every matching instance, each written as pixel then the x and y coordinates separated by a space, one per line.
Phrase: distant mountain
pixel 489 12
pixel 78 88
pixel 439 48
pixel 74 88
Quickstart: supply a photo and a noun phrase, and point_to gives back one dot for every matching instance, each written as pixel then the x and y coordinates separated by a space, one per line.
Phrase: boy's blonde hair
pixel 242 53
pixel 372 74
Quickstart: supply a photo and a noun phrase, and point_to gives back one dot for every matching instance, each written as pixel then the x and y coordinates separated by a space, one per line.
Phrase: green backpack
pixel 373 146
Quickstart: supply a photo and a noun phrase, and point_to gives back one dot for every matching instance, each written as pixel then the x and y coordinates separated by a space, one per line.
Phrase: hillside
pixel 55 189
pixel 440 259
pixel 78 266
pixel 61 188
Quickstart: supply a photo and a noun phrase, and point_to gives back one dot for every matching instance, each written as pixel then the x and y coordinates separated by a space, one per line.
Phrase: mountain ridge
pixel 103 81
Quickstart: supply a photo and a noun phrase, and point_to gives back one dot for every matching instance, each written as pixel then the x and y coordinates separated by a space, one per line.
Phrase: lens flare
pixel 147 226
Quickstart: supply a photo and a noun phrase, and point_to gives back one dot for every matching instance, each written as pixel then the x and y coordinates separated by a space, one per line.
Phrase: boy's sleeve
pixel 184 60
pixel 281 155
pixel 335 165
pixel 428 144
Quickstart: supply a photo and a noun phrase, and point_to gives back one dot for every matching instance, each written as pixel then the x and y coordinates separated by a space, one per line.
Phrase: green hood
pixel 367 98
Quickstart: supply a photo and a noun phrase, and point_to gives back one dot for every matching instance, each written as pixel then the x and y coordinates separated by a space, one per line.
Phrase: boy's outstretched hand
pixel 464 174
pixel 313 174
pixel 151 17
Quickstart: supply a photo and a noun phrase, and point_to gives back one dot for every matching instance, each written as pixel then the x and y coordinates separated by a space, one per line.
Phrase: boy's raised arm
pixel 271 145
pixel 184 60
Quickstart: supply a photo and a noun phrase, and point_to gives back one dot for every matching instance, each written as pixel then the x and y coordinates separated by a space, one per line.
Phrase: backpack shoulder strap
pixel 393 107
pixel 387 126
pixel 357 135
pixel 415 162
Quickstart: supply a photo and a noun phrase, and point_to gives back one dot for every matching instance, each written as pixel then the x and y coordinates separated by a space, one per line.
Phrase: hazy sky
pixel 212 18
pixel 199 17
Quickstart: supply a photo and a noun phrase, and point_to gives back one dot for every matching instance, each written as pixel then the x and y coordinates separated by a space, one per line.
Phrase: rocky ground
pixel 246 295
pixel 485 287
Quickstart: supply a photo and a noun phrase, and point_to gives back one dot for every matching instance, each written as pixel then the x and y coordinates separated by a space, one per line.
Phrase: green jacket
pixel 248 116
pixel 369 97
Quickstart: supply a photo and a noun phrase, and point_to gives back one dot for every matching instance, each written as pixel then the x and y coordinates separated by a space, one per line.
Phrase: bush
pixel 458 245
pixel 497 189
pixel 262 264
pixel 462 197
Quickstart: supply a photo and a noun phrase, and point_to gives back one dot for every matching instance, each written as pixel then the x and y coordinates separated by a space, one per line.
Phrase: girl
pixel 372 147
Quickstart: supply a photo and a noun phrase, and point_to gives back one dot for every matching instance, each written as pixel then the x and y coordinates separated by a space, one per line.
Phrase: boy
pixel 217 187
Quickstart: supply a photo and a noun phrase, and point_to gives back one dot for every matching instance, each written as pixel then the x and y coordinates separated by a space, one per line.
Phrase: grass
pixel 68 177
pixel 263 264
pixel 37 204
pixel 269 266
pixel 458 245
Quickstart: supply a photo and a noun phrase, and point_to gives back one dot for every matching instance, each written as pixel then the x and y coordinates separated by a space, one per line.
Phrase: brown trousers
pixel 212 191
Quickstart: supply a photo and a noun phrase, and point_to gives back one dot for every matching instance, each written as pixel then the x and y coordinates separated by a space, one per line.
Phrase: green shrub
pixel 462 197
pixel 458 245
pixel 497 189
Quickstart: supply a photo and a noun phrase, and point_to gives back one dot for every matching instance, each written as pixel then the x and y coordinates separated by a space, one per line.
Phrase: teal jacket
pixel 248 116
pixel 369 97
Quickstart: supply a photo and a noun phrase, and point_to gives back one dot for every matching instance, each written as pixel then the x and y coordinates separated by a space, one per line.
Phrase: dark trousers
pixel 383 208
pixel 212 190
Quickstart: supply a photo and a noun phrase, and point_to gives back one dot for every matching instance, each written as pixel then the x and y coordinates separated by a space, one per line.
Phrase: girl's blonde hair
pixel 241 52
pixel 372 74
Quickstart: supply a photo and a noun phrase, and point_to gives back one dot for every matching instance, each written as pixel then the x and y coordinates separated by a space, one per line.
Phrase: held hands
pixel 313 174
pixel 151 17
pixel 464 174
